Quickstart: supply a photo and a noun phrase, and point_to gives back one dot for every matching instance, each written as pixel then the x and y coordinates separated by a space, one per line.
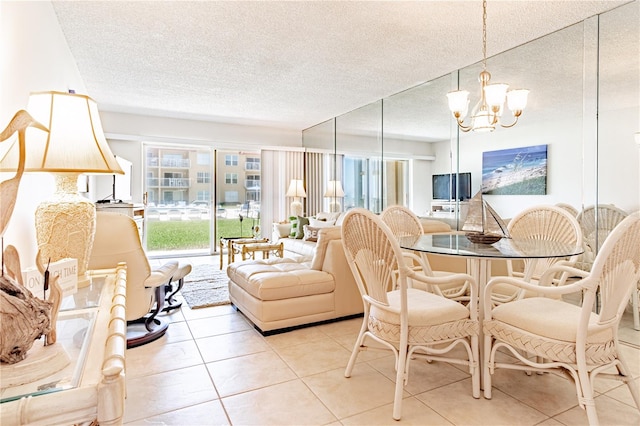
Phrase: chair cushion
pixel 425 309
pixel 550 318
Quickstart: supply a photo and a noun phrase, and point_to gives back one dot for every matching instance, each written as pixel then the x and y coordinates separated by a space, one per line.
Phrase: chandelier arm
pixel 462 126
pixel 495 119
pixel 506 126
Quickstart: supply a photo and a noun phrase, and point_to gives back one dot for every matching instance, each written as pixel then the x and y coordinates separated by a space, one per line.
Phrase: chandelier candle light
pixel 75 144
pixel 487 112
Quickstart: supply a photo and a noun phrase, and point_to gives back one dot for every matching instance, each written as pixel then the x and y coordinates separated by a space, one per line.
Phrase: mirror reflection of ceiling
pixel 551 67
pixel 287 64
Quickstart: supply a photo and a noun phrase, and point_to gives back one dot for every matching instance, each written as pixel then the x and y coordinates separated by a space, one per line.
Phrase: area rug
pixel 206 286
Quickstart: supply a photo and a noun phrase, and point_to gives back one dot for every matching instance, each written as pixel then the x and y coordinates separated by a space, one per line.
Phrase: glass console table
pixel 91 333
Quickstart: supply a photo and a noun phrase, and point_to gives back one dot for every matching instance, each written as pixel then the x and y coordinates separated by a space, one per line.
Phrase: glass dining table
pixel 479 256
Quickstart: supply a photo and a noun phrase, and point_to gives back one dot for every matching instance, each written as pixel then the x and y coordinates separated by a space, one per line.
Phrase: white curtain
pixel 316 180
pixel 278 169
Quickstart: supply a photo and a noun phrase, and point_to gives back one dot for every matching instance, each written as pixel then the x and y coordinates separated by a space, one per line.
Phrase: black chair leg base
pixel 156 329
pixel 170 302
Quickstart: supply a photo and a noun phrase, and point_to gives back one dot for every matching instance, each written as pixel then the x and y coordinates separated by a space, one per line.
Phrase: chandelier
pixel 487 112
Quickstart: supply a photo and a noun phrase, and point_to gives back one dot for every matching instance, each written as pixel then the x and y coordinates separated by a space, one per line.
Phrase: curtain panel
pixel 279 167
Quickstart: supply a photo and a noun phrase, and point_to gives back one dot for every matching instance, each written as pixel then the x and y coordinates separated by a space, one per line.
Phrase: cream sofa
pixel 313 283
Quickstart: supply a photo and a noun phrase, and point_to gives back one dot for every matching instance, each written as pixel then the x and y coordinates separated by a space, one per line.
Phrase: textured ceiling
pixel 284 63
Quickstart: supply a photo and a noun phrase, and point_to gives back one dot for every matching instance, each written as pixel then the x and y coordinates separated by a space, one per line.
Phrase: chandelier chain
pixel 484 34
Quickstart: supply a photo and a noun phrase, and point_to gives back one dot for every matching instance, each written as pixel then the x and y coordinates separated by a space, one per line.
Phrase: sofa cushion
pixel 327 216
pixel 294 226
pixel 300 223
pixel 430 226
pixel 321 223
pixel 280 230
pixel 310 233
pixel 303 249
pixel 324 236
pixel 276 279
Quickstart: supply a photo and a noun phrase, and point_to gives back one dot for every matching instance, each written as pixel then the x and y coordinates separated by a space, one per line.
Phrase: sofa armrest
pixel 348 300
pixel 431 226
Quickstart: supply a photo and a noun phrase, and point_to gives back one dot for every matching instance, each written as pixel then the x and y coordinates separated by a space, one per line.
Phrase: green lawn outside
pixel 191 234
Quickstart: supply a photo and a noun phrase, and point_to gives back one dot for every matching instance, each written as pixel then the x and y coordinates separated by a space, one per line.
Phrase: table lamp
pixel 75 144
pixel 296 190
pixel 334 192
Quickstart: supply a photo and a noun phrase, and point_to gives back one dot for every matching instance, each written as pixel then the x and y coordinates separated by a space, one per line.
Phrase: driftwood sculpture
pixel 23 317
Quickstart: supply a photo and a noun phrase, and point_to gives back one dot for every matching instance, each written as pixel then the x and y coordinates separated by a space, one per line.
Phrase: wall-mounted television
pixel 452 186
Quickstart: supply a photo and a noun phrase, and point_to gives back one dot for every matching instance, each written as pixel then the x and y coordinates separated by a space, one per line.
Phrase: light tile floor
pixel 214 368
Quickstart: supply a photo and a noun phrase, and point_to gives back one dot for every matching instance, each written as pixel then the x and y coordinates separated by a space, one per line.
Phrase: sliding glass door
pixel 238 193
pixel 178 183
pixel 196 195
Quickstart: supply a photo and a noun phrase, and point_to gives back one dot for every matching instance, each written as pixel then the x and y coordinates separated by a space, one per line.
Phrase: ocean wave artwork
pixel 515 171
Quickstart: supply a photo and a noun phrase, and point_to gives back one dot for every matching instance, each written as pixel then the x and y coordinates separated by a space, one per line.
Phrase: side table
pixel 264 247
pixel 231 242
pixel 92 330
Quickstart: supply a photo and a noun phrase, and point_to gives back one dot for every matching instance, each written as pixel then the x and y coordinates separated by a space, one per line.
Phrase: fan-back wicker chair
pixel 549 223
pixel 569 208
pixel 562 335
pixel 410 322
pixel 635 304
pixel 596 224
pixel 404 223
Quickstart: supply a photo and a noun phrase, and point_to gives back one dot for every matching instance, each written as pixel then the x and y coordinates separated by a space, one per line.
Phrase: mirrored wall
pixel 583 108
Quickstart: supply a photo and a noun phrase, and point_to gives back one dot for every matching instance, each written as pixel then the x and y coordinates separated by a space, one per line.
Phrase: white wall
pixel 127 132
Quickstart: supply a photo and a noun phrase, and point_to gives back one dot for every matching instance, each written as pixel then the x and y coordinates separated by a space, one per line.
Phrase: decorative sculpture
pixel 23 317
pixel 483 225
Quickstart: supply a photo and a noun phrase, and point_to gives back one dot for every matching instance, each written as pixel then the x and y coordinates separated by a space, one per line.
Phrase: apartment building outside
pixel 180 177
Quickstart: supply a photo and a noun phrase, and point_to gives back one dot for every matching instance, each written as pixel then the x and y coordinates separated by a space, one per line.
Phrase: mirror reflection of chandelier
pixel 487 112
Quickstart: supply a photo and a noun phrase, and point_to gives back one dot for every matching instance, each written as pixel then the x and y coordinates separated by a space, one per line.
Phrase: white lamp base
pixel 296 208
pixel 335 207
pixel 65 226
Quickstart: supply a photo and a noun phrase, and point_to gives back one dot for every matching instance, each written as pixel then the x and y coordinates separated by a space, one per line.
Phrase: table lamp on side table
pixel 296 190
pixel 75 144
pixel 334 192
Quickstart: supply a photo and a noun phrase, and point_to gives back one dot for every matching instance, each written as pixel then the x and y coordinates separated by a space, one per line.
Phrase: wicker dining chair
pixel 412 323
pixel 549 223
pixel 560 335
pixel 404 223
pixel 596 224
pixel 569 208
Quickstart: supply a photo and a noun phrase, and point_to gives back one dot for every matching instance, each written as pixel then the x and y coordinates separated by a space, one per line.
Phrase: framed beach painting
pixel 515 171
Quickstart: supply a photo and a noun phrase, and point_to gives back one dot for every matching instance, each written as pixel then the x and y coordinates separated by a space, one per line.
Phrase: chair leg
pixel 156 327
pixel 475 368
pixel 356 348
pixel 485 366
pixel 400 378
pixel 623 370
pixel 635 298
pixel 172 303
pixel 587 397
